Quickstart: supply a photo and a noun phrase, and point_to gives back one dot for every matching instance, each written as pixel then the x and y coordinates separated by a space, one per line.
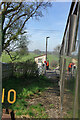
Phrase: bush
pixel 54 63
pixel 26 68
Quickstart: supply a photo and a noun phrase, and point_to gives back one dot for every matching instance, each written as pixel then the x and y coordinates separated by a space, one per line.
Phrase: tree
pixel 57 49
pixel 22 45
pixel 14 17
pixel 37 51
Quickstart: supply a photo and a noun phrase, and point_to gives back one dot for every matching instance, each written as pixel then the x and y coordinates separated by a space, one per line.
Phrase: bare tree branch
pixel 14 18
pixel 11 10
pixel 12 58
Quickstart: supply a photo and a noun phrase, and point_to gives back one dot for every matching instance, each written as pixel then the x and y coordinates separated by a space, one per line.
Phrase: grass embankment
pixel 26 88
pixel 6 57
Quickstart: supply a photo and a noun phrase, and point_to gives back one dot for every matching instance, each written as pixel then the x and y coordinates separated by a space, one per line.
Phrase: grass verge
pixel 26 88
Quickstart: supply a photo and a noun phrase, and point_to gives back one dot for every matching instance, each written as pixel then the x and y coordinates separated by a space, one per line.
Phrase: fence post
pixel 62 80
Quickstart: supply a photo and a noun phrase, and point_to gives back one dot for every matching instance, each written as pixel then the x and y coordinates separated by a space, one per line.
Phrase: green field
pixel 6 58
pixel 51 57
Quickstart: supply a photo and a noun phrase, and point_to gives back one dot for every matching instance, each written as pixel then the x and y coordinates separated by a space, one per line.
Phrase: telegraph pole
pixel 46 47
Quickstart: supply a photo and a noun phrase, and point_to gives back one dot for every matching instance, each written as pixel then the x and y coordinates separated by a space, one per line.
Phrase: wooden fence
pixel 7 70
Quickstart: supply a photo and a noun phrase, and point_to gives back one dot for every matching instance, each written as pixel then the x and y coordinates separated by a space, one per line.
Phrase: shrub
pixel 25 68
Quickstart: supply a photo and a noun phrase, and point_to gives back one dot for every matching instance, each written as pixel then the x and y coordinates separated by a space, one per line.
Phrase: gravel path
pixel 50 100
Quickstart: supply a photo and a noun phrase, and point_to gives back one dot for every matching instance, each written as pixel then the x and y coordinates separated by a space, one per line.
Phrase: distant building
pixel 40 61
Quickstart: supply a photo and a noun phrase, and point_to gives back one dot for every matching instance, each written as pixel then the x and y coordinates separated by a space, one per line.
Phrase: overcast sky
pixel 52 24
